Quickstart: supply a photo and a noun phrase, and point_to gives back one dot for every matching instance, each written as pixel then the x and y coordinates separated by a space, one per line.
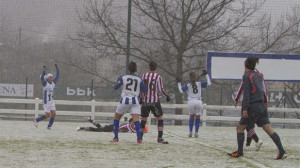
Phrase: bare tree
pixel 174 33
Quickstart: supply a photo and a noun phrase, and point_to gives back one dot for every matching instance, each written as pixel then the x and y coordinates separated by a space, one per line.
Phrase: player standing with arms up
pixel 151 102
pixel 131 87
pixel 195 106
pixel 48 90
pixel 254 109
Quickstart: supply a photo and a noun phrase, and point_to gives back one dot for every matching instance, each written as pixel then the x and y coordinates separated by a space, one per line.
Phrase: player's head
pixel 152 66
pixel 132 67
pixel 250 62
pixel 192 78
pixel 130 120
pixel 49 77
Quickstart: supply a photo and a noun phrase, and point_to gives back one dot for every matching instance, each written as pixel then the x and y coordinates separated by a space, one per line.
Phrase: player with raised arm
pixel 254 109
pixel 48 83
pixel 195 106
pixel 151 102
pixel 131 86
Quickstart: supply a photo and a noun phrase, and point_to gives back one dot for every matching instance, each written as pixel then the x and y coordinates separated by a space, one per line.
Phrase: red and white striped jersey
pixel 153 84
pixel 126 127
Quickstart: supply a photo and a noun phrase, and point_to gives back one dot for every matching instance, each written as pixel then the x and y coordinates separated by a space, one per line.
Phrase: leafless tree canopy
pixel 178 33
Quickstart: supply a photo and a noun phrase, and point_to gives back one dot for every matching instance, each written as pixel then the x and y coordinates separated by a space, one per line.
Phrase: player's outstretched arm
pixel 43 75
pixel 119 83
pixel 57 74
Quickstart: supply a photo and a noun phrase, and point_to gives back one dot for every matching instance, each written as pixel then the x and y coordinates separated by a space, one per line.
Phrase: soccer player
pixel 251 134
pixel 195 106
pixel 125 127
pixel 151 102
pixel 131 87
pixel 254 109
pixel 48 83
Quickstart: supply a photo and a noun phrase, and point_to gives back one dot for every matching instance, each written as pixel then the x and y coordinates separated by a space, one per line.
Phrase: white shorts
pixel 49 107
pixel 195 107
pixel 132 108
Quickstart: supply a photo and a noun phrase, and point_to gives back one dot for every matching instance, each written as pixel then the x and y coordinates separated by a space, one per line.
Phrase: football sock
pixel 160 128
pixel 277 141
pixel 116 129
pixel 40 118
pixel 137 125
pixel 249 139
pixel 97 124
pixel 255 137
pixel 197 125
pixel 240 141
pixel 51 121
pixel 191 124
pixel 143 124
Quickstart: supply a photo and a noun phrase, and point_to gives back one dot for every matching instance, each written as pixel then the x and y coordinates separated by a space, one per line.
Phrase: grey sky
pixel 52 19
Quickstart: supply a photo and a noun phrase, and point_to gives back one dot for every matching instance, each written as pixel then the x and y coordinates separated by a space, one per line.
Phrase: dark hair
pixel 131 119
pixel 193 78
pixel 132 67
pixel 152 66
pixel 251 61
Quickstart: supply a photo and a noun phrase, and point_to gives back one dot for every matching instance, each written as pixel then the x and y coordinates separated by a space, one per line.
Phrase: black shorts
pixel 257 114
pixel 155 108
pixel 107 128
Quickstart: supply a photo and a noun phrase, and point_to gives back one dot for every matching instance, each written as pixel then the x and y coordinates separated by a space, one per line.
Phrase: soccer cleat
pixel 190 135
pixel 78 129
pixel 196 135
pixel 114 140
pixel 49 128
pixel 235 154
pixel 258 145
pixel 281 156
pixel 35 123
pixel 247 147
pixel 162 141
pixel 139 141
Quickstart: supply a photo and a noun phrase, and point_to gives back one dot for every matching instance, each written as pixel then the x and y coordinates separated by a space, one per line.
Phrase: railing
pixel 37 102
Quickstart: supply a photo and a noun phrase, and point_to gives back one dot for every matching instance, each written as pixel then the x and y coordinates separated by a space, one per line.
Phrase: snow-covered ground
pixel 24 145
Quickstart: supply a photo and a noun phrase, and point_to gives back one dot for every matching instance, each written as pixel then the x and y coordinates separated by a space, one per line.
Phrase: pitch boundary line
pixel 250 161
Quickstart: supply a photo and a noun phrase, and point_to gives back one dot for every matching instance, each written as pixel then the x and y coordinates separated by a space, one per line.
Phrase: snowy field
pixel 24 145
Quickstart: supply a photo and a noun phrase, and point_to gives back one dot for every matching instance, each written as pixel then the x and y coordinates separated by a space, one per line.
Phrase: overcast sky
pixel 54 18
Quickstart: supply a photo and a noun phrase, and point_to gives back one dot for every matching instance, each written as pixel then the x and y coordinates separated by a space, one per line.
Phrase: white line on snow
pixel 250 161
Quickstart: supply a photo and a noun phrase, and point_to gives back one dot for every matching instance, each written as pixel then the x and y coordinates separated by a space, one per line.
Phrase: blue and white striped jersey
pixel 194 91
pixel 131 87
pixel 48 88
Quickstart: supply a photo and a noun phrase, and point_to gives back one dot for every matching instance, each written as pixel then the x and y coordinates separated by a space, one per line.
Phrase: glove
pixel 204 72
pixel 178 79
pixel 168 98
pixel 56 67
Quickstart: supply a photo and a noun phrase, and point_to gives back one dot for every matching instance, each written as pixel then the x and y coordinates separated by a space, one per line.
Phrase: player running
pixel 254 109
pixel 195 106
pixel 151 102
pixel 131 87
pixel 48 83
pixel 251 134
pixel 125 127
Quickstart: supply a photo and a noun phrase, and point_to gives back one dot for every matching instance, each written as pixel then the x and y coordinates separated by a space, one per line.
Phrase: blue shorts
pixel 257 113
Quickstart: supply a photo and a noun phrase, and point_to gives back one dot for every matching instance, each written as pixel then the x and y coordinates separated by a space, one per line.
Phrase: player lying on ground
pixel 125 127
pixel 195 106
